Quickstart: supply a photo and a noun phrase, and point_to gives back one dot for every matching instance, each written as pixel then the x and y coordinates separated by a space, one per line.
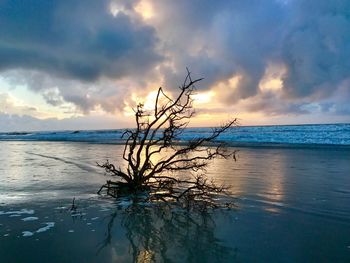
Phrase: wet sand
pixel 293 206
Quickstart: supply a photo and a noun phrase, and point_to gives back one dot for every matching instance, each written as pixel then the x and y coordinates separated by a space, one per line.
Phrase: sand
pixel 293 206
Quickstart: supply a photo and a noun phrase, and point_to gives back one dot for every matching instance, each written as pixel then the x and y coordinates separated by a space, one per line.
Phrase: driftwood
pixel 153 153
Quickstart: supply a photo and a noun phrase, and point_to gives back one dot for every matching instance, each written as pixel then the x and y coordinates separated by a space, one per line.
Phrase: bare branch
pixel 157 134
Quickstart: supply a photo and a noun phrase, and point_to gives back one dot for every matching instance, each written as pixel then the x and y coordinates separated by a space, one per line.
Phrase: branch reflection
pixel 163 233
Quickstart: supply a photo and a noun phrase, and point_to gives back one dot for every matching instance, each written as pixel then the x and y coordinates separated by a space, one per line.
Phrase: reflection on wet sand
pixel 261 176
pixel 292 201
pixel 165 234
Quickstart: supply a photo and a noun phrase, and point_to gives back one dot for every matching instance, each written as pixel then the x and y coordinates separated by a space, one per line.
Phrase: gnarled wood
pixel 156 135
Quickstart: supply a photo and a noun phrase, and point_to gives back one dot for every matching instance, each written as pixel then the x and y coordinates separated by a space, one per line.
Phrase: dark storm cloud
pixel 316 48
pixel 220 39
pixel 77 41
pixel 74 38
pixel 229 37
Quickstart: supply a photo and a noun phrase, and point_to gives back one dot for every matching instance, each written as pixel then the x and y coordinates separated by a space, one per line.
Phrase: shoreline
pixel 228 144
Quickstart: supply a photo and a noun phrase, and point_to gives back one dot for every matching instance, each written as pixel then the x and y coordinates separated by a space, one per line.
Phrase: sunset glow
pixel 145 9
pixel 256 63
pixel 174 131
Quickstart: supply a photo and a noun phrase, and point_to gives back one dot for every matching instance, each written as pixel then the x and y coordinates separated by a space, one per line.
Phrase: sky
pixel 84 64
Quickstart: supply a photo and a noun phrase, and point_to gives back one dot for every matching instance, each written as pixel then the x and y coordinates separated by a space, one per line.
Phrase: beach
pixel 292 205
pixel 174 131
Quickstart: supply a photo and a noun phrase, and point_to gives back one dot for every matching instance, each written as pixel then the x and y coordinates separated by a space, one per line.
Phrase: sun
pixel 145 9
pixel 203 97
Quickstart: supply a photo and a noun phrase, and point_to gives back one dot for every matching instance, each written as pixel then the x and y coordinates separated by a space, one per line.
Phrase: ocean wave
pixel 320 134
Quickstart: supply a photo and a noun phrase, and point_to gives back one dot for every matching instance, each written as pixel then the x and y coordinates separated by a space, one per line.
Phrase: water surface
pixel 293 206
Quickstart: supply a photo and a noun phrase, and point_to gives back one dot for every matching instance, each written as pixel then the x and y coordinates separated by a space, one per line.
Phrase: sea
pixel 311 134
pixel 290 186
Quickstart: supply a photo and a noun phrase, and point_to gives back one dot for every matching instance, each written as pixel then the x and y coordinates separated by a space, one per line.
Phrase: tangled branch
pixel 152 152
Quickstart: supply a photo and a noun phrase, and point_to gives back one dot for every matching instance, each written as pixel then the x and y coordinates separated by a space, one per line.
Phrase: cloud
pixel 108 94
pixel 79 39
pixel 53 97
pixel 96 54
pixel 222 39
pixel 15 122
pixel 10 105
pixel 316 48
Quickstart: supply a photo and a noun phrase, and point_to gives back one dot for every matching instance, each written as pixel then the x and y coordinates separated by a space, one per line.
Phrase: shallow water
pixel 293 206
